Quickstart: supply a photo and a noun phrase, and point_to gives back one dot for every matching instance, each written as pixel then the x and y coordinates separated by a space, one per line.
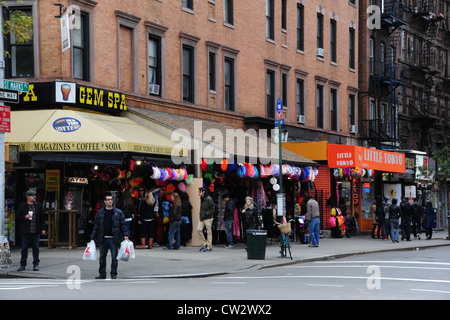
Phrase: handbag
pixel 90 253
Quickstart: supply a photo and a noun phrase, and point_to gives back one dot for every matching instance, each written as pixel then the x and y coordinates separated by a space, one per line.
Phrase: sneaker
pixel 202 248
pixel 228 246
pixel 36 268
pixel 100 277
pixel 21 268
pixel 207 250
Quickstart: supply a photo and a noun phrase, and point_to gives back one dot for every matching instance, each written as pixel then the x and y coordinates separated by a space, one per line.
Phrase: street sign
pixel 5 119
pixel 279 106
pixel 279 122
pixel 11 96
pixel 16 85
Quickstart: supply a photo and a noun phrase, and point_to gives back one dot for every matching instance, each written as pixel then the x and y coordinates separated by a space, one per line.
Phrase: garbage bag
pixel 90 253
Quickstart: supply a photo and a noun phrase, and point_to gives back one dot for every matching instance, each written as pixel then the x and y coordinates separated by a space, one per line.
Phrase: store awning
pixel 215 140
pixel 76 131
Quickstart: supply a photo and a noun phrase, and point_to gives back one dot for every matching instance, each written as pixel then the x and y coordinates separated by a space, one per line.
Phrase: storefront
pixel 74 145
pixel 353 172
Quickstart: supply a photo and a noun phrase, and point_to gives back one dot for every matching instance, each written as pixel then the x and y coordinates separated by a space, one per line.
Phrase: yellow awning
pixel 76 131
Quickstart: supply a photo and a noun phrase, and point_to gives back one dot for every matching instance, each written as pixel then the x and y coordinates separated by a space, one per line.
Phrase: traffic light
pixel 11 153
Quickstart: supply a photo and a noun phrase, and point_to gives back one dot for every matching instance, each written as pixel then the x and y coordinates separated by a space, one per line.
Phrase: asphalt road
pixel 410 275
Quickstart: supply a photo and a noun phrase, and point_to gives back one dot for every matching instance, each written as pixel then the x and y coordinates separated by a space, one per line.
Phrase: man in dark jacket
pixel 109 230
pixel 228 217
pixel 31 220
pixel 394 214
pixel 407 213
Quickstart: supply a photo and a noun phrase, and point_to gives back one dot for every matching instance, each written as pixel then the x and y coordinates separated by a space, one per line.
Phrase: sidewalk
pixel 189 262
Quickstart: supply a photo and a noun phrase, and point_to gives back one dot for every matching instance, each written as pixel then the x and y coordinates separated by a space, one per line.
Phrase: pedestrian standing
pixel 127 205
pixel 228 217
pixel 416 219
pixel 186 220
pixel 386 226
pixel 407 212
pixel 313 218
pixel 175 222
pixel 109 230
pixel 146 215
pixel 429 220
pixel 374 217
pixel 394 215
pixel 250 214
pixel 207 209
pixel 31 220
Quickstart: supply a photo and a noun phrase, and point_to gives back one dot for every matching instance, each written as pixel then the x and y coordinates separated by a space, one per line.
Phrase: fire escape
pixel 425 111
pixel 385 76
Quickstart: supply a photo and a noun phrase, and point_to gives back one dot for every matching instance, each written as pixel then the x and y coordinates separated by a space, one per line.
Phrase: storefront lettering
pixel 52 146
pixel 95 97
pixel 30 95
pixel 91 96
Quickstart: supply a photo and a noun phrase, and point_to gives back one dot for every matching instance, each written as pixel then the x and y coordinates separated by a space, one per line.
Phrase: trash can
pixel 256 244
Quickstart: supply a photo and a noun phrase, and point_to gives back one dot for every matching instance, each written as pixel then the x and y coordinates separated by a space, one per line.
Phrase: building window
pixel 333 40
pixel 270 19
pixel 212 71
pixel 188 74
pixel 228 11
pixel 300 97
pixel 81 49
pixel 284 90
pixel 188 4
pixel 20 62
pixel 300 27
pixel 270 93
pixel 154 65
pixel 229 84
pixel 333 109
pixel 320 35
pixel 283 15
pixel 319 106
pixel 351 110
pixel 351 55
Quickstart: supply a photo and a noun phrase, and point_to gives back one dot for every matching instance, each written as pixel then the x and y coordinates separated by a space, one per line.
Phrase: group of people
pixel 391 219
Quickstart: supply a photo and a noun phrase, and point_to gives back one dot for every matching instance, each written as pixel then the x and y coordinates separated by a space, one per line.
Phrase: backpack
pixel 379 212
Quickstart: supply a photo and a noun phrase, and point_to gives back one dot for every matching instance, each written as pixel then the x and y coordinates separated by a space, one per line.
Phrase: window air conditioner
pixel 153 88
pixel 300 118
pixel 353 129
pixel 320 52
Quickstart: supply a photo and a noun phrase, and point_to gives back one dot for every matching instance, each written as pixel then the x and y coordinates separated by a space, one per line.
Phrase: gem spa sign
pixel 71 93
pixel 344 156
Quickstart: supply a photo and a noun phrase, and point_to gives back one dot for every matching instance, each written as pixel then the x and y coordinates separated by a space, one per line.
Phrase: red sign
pixel 348 156
pixel 5 119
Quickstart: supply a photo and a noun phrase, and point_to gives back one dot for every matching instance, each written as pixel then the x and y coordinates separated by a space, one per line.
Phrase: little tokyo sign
pixel 344 156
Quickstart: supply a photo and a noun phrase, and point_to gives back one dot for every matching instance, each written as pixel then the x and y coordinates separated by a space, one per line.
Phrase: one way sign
pixel 11 96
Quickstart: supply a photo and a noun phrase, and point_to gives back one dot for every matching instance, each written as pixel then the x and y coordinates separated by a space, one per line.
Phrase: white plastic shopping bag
pixel 126 251
pixel 90 253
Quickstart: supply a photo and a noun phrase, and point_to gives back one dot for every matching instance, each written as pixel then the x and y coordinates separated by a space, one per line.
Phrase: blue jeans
pixel 314 230
pixel 174 230
pixel 229 231
pixel 27 239
pixel 394 229
pixel 108 243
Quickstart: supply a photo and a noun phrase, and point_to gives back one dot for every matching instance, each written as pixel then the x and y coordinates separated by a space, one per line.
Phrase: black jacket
pixel 394 211
pixel 229 210
pixel 24 224
pixel 119 228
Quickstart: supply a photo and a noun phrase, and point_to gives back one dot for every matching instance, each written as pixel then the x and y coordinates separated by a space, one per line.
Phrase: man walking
pixel 313 217
pixel 31 220
pixel 206 220
pixel 109 230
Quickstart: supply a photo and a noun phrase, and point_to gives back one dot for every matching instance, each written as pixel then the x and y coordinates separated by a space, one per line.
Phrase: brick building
pixel 226 61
